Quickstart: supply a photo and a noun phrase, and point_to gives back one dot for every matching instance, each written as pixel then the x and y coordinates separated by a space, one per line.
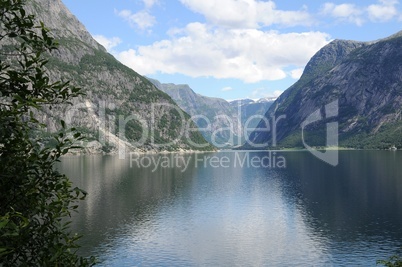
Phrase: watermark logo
pixel 112 129
pixel 330 155
pixel 237 159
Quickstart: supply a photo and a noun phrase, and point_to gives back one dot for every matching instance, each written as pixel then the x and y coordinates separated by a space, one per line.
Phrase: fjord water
pixel 306 214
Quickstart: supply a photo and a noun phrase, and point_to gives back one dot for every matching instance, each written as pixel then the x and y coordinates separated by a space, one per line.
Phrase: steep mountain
pixel 221 122
pixel 251 111
pixel 357 85
pixel 119 106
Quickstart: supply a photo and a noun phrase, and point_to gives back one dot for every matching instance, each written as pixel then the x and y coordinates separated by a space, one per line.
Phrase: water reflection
pixel 357 205
pixel 307 214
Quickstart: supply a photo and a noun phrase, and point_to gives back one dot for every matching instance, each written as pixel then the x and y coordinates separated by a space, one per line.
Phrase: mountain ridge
pixel 221 122
pixel 116 106
pixel 365 77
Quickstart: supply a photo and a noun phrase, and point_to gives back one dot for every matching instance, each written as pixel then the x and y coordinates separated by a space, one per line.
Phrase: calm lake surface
pixel 228 210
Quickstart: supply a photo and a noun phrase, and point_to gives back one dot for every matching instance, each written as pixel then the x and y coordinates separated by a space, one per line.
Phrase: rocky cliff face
pixel 221 122
pixel 251 111
pixel 363 80
pixel 119 106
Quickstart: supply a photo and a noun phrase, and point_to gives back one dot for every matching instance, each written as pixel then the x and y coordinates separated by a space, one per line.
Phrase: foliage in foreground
pixel 393 261
pixel 35 199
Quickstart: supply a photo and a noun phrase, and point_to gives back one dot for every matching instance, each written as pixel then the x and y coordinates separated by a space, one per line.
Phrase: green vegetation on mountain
pixel 119 105
pixel 365 80
pixel 221 122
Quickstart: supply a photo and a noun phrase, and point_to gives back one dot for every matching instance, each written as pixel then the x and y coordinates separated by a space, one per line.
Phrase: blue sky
pixel 230 48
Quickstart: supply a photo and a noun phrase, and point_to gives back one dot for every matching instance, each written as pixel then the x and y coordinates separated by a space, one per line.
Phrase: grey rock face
pixel 119 106
pixel 221 122
pixel 365 79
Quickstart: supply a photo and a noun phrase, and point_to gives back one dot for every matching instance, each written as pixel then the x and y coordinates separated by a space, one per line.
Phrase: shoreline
pixel 166 152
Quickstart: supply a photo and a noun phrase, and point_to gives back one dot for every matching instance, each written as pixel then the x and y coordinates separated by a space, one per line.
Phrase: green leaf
pixel 22 11
pixel 4 251
pixel 3 222
pixel 28 154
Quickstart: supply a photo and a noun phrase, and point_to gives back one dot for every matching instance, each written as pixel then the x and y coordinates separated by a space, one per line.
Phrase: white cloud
pixel 108 43
pixel 344 12
pixel 226 89
pixel 247 13
pixel 384 11
pixel 249 55
pixel 264 93
pixel 276 93
pixel 296 73
pixel 142 19
pixel 149 3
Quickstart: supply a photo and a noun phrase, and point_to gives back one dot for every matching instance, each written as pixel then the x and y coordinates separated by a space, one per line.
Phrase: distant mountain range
pixel 221 122
pixel 356 85
pixel 119 106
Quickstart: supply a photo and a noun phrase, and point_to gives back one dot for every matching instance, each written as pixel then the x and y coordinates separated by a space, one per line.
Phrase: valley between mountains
pixel 120 106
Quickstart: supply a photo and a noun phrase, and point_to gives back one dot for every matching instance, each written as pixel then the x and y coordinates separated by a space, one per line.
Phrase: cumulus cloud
pixel 149 3
pixel 226 89
pixel 276 93
pixel 108 43
pixel 296 73
pixel 247 13
pixel 264 93
pixel 384 11
pixel 142 19
pixel 250 55
pixel 344 12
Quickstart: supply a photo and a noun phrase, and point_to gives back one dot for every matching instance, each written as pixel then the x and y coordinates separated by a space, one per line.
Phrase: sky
pixel 231 49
